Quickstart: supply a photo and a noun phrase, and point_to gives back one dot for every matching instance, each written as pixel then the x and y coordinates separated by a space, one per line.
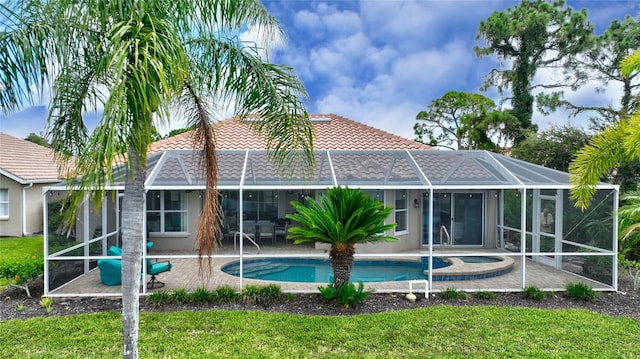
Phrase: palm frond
pixel 209 226
pixel 604 153
pixel 25 49
pixel 630 63
pixel 342 217
pixel 273 92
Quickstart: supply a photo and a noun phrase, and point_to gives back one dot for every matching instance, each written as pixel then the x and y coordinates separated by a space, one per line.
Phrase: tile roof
pixel 26 160
pixel 330 132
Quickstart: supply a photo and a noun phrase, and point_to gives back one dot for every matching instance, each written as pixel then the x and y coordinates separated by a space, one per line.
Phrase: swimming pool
pixel 320 271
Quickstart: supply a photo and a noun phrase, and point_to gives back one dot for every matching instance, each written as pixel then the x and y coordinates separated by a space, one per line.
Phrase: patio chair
pixel 110 271
pixel 155 268
pixel 266 229
pixel 282 227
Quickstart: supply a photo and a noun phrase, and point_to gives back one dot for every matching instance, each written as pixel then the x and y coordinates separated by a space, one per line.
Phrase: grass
pixel 12 248
pixel 435 332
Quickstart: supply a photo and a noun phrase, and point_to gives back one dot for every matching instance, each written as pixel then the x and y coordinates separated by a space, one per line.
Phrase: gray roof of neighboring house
pixel 25 161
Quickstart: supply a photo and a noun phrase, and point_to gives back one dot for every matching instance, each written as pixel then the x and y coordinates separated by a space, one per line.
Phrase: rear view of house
pixel 474 220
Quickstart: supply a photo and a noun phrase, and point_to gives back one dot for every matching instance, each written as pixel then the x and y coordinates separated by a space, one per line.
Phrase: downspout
pixel 24 209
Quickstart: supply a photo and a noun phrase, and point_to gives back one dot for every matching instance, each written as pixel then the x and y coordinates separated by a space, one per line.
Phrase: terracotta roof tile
pixel 27 160
pixel 330 132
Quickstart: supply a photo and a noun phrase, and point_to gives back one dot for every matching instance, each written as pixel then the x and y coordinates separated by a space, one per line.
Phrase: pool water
pixel 480 259
pixel 320 271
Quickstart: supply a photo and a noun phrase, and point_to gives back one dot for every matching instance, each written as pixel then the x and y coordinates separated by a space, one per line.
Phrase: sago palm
pixel 135 62
pixel 342 218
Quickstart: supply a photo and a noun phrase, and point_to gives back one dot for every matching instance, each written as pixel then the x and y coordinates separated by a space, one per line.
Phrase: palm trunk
pixel 133 210
pixel 342 262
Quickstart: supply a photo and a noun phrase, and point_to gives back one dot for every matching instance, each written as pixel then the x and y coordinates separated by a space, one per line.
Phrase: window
pixel 401 211
pixel 166 211
pixel 378 195
pixel 4 203
pixel 260 205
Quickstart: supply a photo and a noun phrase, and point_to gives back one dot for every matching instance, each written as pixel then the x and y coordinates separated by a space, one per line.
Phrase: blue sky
pixel 380 62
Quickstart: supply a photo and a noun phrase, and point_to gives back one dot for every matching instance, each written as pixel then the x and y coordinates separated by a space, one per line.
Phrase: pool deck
pixel 185 274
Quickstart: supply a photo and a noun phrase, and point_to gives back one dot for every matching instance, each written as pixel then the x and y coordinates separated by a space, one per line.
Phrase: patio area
pixel 185 274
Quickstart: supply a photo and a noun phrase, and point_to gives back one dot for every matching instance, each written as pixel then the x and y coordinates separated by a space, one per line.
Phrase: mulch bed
pixel 624 303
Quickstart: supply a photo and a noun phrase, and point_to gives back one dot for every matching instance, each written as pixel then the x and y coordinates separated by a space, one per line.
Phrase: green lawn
pixel 19 247
pixel 435 332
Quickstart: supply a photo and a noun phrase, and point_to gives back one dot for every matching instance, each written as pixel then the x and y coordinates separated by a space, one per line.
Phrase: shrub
pixel 581 291
pixel 201 295
pixel 19 272
pixel 630 269
pixel 261 295
pixel 47 304
pixel 225 294
pixel 179 296
pixel 158 299
pixel 346 294
pixel 533 292
pixel 486 295
pixel 453 293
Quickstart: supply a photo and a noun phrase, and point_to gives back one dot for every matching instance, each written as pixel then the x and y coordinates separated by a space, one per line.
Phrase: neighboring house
pixel 25 169
pixel 455 202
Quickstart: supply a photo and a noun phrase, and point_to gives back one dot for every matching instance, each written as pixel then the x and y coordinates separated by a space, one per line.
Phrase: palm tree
pixel 342 218
pixel 629 225
pixel 615 146
pixel 137 60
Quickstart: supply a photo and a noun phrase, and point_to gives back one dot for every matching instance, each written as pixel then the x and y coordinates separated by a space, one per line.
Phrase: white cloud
pixel 342 23
pixel 307 20
pixel 326 61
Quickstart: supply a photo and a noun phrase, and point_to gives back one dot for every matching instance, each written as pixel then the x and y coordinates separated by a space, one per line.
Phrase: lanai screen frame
pixel 495 165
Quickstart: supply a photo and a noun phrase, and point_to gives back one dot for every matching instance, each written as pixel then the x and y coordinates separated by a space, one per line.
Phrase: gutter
pixel 24 209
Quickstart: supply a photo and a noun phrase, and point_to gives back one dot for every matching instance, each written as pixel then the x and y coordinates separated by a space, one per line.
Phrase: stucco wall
pixel 34 216
pixel 12 226
pixel 34 219
pixel 411 240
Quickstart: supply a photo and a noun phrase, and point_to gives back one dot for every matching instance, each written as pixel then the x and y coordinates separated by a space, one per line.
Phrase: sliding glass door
pixel 457 219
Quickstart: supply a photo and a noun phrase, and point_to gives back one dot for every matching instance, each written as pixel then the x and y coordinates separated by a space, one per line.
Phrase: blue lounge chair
pixel 111 269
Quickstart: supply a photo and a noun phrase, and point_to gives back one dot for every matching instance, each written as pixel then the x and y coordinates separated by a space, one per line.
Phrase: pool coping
pixel 460 270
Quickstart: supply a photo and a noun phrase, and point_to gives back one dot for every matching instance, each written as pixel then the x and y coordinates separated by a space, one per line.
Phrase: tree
pixel 465 120
pixel 178 131
pixel 40 140
pixel 533 35
pixel 493 131
pixel 137 60
pixel 601 63
pixel 342 218
pixel 553 148
pixel 608 150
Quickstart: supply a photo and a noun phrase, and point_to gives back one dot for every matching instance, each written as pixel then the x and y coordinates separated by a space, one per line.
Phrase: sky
pixel 380 62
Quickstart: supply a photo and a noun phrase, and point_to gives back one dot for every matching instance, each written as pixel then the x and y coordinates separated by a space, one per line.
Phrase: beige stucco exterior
pixel 25 208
